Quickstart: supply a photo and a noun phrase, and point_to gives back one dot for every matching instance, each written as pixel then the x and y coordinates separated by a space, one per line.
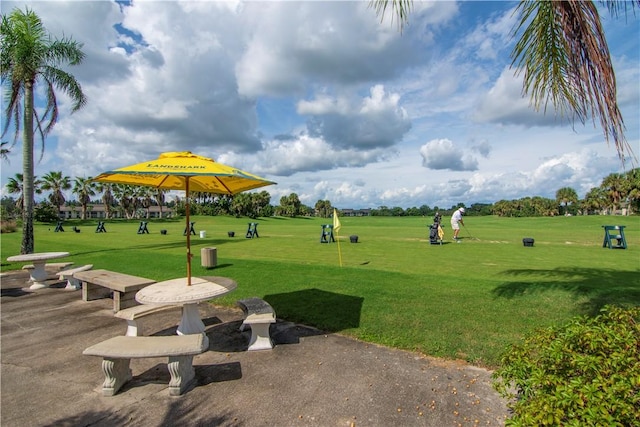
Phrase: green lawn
pixel 463 300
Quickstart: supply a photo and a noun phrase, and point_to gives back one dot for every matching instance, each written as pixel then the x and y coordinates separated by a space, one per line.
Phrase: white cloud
pixel 443 154
pixel 375 121
pixel 505 104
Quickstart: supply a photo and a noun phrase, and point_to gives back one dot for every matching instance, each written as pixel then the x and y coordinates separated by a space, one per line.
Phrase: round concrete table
pixel 176 291
pixel 38 273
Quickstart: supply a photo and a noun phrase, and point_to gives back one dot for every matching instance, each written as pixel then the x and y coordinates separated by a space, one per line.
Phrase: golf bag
pixel 434 235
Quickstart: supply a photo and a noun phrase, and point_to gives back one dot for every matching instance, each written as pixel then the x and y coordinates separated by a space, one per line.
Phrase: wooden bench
pixel 133 316
pixel 259 316
pixel 72 282
pixel 101 283
pixel 117 353
pixel 52 268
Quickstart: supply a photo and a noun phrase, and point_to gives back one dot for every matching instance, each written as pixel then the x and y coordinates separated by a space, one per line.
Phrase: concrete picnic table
pixel 38 273
pixel 177 292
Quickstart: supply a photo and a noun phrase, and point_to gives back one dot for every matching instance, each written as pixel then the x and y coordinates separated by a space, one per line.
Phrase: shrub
pixel 8 226
pixel 584 373
pixel 45 212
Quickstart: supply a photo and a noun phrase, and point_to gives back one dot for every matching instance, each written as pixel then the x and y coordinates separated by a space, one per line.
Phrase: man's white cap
pixel 462 210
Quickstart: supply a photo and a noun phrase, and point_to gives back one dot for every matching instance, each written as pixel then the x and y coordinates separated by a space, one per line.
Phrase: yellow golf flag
pixel 336 221
pixel 336 228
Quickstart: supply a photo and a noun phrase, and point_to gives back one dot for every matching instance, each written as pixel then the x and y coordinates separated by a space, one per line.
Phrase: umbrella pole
pixel 188 233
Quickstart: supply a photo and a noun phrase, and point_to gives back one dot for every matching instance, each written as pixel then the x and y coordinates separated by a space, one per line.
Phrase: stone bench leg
pixel 182 374
pixel 91 291
pixel 116 374
pixel 134 328
pixel 260 339
pixel 73 284
pixel 122 300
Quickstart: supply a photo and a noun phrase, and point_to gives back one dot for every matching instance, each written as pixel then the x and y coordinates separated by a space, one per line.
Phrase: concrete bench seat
pixel 133 316
pixel 117 353
pixel 259 316
pixel 52 268
pixel 102 283
pixel 72 282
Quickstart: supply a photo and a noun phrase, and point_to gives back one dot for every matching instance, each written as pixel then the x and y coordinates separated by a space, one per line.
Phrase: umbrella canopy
pixel 188 172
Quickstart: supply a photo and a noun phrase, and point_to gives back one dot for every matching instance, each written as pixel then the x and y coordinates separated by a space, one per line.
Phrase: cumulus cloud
pixel 483 148
pixel 287 156
pixel 443 154
pixel 505 104
pixel 376 121
pixel 339 43
pixel 581 170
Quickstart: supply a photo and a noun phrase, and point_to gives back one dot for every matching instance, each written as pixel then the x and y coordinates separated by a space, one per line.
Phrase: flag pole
pixel 339 252
pixel 336 228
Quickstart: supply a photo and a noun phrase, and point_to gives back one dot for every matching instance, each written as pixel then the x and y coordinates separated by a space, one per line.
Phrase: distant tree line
pixel 617 191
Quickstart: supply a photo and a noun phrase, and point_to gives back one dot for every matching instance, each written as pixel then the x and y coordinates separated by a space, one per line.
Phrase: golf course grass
pixel 457 301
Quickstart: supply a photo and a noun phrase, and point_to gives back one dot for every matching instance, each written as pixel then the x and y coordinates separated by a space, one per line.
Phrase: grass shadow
pixel 599 286
pixel 328 311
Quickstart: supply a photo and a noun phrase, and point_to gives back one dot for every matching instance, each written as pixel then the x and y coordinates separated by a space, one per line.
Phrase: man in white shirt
pixel 456 220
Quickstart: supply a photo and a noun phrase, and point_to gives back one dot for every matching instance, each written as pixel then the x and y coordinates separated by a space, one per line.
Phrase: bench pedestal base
pixel 73 284
pixel 190 323
pixel 38 276
pixel 182 374
pixel 117 373
pixel 260 339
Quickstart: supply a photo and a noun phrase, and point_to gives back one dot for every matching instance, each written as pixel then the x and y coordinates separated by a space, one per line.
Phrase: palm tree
pixel 595 200
pixel 56 183
pixel 565 59
pixel 30 55
pixel 146 196
pixel 84 188
pixel 565 196
pixel 15 186
pixel 614 189
pixel 127 197
pixel 4 152
pixel 159 196
pixel 107 197
pixel 633 193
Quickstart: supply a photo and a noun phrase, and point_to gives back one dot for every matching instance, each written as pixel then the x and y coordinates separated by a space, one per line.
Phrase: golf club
pixel 470 236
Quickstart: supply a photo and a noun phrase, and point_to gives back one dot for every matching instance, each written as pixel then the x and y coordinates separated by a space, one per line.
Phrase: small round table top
pixel 176 291
pixel 40 256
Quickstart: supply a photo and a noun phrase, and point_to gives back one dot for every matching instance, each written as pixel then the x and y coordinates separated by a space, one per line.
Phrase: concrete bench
pixel 133 316
pixel 52 268
pixel 102 283
pixel 259 316
pixel 72 282
pixel 117 353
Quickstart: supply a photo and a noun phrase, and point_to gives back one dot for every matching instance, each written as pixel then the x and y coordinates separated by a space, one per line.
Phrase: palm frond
pixel 401 10
pixel 566 63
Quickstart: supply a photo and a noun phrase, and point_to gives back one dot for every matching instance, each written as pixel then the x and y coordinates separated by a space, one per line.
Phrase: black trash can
pixel 527 241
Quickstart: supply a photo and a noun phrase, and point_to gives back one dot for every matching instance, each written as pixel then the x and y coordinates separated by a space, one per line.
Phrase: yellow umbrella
pixel 188 172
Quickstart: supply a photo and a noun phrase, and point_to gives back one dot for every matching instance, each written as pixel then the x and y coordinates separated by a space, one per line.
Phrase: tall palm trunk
pixel 27 166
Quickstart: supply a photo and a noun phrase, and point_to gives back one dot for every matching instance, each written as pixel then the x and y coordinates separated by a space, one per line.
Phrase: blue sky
pixel 326 100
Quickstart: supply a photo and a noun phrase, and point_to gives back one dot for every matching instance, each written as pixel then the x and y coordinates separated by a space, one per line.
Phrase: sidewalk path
pixel 308 379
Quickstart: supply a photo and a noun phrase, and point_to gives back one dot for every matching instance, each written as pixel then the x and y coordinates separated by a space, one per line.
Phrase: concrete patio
pixel 309 379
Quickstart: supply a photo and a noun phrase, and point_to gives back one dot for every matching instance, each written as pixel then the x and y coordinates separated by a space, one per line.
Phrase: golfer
pixel 456 220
